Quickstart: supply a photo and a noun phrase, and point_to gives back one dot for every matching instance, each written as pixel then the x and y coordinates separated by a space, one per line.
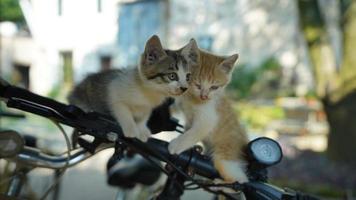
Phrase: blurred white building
pixel 256 29
pixel 65 35
pixel 70 38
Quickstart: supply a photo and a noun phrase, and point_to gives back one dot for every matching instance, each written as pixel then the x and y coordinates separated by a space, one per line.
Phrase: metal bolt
pixel 112 137
pixel 190 171
pixel 198 148
pixel 169 168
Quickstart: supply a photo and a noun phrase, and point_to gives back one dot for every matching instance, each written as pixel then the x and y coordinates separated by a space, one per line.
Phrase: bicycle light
pixel 11 143
pixel 265 151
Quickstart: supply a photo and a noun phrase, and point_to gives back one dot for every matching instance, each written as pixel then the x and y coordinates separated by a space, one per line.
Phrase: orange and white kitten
pixel 210 117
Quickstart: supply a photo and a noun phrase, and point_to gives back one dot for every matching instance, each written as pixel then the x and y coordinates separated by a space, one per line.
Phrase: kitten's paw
pixel 233 171
pixel 131 132
pixel 242 178
pixel 173 146
pixel 145 133
pixel 178 145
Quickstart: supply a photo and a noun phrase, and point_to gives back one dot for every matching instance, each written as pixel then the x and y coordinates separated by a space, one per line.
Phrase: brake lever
pixel 89 146
pixel 161 119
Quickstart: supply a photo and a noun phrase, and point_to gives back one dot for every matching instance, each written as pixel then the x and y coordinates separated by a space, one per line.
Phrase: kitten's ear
pixel 191 52
pixel 153 50
pixel 228 64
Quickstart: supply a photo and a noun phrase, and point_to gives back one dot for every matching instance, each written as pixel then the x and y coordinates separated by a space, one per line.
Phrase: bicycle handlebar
pixel 106 130
pixel 100 127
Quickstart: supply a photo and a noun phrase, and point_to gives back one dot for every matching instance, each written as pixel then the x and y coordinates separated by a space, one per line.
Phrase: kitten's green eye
pixel 214 87
pixel 173 76
pixel 188 77
pixel 198 86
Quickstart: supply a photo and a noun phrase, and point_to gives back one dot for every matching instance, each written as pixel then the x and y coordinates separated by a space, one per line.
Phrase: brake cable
pixel 66 164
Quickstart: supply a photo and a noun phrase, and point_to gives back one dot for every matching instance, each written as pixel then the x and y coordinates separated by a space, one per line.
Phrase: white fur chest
pixel 208 111
pixel 204 114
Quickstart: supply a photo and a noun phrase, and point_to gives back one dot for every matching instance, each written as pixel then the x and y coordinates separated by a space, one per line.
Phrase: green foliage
pixel 310 13
pixel 10 11
pixel 311 95
pixel 258 116
pixel 245 77
pixel 55 92
pixel 311 20
pixel 242 81
pixel 60 92
pixel 345 9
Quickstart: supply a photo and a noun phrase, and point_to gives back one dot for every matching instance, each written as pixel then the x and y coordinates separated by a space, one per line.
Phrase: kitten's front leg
pixel 195 134
pixel 124 116
pixel 204 122
pixel 145 132
pixel 182 143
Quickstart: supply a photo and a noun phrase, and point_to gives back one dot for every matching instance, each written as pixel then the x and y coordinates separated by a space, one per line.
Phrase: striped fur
pixel 129 95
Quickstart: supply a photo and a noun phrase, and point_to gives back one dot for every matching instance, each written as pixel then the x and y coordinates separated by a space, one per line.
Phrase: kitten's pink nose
pixel 204 97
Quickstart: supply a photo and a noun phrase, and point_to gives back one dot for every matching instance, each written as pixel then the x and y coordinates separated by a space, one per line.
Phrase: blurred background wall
pixel 295 80
pixel 63 40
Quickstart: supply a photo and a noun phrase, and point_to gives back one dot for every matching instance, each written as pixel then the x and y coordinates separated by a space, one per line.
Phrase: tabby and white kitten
pixel 129 95
pixel 211 119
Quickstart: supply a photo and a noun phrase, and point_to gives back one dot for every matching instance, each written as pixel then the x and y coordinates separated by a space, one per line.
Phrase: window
pixel 206 42
pixel 105 62
pixel 138 21
pixel 60 4
pixel 22 75
pixel 99 6
pixel 67 65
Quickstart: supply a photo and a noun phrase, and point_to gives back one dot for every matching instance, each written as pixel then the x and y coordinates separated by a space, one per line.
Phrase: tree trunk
pixel 337 90
pixel 342 137
pixel 341 105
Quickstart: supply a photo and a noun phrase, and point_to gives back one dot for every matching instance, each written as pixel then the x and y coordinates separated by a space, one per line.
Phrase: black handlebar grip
pixel 16 92
pixel 8 91
pixel 13 92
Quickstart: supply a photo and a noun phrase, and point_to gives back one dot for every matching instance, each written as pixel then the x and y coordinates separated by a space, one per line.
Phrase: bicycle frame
pixel 34 157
